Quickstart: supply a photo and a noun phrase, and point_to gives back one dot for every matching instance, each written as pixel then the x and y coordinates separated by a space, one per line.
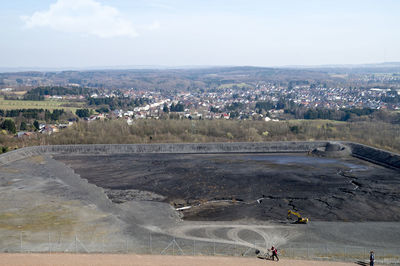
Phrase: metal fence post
pixel 151 245
pixel 365 253
pixel 173 247
pixel 49 244
pixel 194 247
pixel 126 247
pixel 214 247
pixel 326 251
pixel 20 241
pixel 76 244
pixel 102 246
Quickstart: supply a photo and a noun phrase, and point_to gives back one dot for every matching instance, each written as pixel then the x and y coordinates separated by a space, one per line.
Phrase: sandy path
pixel 144 260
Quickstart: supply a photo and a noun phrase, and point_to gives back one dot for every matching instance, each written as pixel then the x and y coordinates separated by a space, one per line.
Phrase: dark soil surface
pixel 227 186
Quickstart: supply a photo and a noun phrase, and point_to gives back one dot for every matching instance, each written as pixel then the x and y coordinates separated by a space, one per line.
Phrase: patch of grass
pixel 37 219
pixel 20 93
pixel 9 170
pixel 315 121
pixel 37 159
pixel 230 85
pixel 47 104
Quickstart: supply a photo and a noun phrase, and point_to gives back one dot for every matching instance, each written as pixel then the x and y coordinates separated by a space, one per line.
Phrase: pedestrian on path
pixel 371 258
pixel 274 253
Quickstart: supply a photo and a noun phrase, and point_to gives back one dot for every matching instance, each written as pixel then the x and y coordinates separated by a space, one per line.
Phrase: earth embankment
pixel 361 151
pixel 239 147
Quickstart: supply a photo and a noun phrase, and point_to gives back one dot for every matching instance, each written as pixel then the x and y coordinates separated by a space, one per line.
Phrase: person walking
pixel 274 253
pixel 371 258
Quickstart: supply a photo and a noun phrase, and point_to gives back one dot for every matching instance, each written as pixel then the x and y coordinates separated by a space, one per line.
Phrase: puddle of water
pixel 308 160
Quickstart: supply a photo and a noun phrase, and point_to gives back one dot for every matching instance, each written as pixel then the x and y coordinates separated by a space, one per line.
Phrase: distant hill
pixel 160 79
pixel 190 77
pixel 387 67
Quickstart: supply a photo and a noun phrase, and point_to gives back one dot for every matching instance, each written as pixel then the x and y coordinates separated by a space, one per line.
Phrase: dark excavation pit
pixel 227 186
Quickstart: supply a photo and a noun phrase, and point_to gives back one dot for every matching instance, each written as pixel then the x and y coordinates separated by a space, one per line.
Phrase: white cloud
pixel 82 16
pixel 154 26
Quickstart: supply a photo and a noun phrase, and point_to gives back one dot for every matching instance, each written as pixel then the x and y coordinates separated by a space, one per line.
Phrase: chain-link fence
pixel 58 242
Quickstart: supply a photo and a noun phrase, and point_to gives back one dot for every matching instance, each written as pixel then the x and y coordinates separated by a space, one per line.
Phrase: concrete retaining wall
pixel 238 147
pixel 374 155
pixel 364 152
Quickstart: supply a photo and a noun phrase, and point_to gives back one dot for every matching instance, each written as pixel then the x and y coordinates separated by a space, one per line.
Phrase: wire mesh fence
pixel 160 244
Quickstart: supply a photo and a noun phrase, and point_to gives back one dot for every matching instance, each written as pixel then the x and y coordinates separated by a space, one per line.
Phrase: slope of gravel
pixel 125 202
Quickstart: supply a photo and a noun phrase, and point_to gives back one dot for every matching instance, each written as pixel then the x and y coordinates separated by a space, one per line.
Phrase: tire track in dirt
pixel 270 234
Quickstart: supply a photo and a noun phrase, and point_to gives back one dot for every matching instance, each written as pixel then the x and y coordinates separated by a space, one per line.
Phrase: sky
pixel 107 33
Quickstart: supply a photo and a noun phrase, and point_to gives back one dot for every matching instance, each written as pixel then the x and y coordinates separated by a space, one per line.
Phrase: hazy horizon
pixel 93 34
pixel 161 67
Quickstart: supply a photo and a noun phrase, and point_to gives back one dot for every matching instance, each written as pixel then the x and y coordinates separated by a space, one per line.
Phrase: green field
pixel 47 104
pixel 230 85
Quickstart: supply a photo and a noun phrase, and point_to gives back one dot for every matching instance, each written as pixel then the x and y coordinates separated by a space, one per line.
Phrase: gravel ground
pixel 43 200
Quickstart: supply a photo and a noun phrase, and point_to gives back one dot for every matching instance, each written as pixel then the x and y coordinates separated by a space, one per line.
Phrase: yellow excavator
pixel 300 220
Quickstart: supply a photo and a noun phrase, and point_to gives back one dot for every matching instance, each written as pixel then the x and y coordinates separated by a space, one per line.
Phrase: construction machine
pixel 300 220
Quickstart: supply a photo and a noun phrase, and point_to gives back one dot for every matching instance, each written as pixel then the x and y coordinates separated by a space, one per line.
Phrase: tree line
pixel 113 103
pixel 41 114
pixel 378 134
pixel 179 107
pixel 298 111
pixel 361 114
pixel 38 93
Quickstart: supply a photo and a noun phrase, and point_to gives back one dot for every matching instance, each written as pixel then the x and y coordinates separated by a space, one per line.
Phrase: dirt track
pixel 144 260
